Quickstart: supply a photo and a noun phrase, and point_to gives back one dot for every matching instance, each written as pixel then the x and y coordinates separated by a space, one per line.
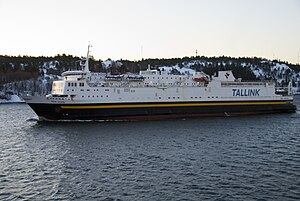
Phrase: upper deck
pixel 158 82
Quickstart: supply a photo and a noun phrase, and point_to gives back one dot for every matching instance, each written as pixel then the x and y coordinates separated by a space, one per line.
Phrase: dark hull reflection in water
pixel 226 158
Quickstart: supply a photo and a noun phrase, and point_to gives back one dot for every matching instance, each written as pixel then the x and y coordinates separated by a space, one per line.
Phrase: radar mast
pixel 86 67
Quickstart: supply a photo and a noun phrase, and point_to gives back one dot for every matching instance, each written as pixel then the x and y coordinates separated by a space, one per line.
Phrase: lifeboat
pixel 200 79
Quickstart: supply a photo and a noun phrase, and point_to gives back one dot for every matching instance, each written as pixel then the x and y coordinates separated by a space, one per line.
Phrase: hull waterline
pixel 134 111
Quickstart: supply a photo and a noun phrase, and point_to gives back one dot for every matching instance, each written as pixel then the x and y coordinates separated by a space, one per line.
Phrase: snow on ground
pixel 51 64
pixel 109 63
pixel 13 99
pixel 280 67
pixel 106 64
pixel 183 70
pixel 258 72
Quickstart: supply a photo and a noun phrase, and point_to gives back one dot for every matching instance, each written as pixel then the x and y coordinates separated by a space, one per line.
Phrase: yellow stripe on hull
pixel 170 105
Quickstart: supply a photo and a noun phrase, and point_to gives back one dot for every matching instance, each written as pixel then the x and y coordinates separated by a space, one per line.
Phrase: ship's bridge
pixel 73 75
pixel 58 87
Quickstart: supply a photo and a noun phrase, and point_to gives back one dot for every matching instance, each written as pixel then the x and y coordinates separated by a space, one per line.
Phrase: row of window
pixel 148 97
pixel 195 97
pixel 95 96
pixel 166 78
pixel 86 90
pixel 178 84
pixel 107 97
pixel 74 84
pixel 98 89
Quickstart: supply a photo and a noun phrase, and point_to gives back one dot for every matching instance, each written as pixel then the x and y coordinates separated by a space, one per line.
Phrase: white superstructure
pixel 156 85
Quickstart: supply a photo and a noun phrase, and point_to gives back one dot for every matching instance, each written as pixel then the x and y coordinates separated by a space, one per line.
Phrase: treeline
pixel 241 67
pixel 16 68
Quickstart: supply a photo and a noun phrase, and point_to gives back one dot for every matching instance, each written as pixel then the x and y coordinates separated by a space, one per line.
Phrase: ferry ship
pixel 156 94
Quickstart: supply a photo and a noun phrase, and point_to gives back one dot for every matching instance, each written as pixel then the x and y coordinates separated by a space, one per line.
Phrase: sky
pixel 136 29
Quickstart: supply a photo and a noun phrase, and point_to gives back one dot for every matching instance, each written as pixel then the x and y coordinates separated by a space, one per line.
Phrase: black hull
pixel 136 111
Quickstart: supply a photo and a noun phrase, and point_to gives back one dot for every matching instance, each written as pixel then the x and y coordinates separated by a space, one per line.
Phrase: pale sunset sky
pixel 132 29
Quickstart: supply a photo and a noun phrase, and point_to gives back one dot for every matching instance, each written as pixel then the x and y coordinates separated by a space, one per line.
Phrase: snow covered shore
pixel 13 99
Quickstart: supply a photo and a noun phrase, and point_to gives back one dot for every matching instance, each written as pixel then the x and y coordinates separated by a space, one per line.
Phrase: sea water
pixel 223 158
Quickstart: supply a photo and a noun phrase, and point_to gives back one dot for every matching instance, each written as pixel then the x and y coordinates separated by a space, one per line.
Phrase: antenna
pixel 142 52
pixel 196 52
